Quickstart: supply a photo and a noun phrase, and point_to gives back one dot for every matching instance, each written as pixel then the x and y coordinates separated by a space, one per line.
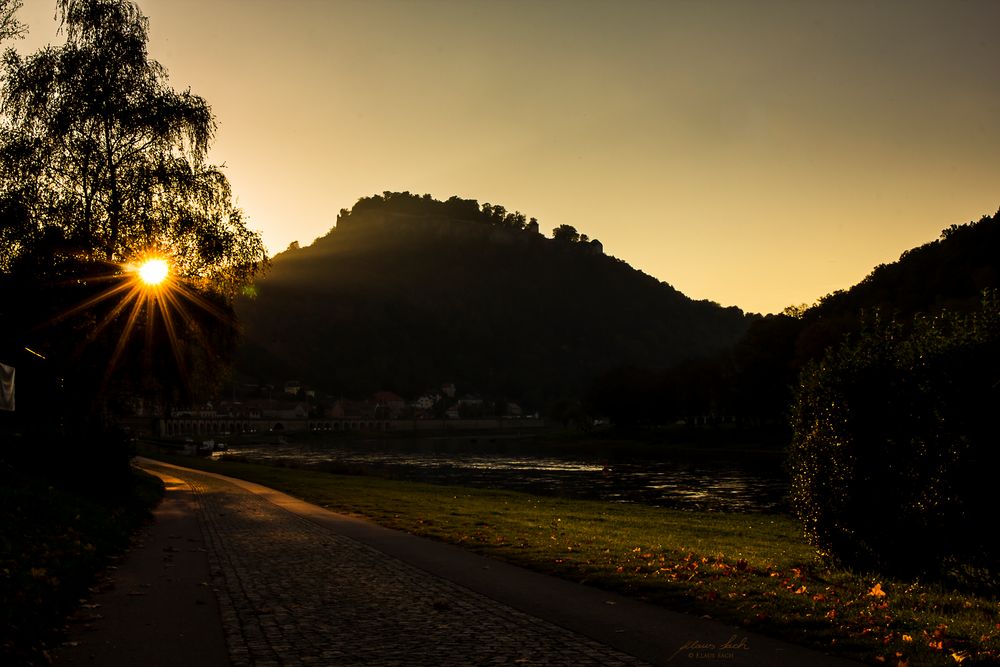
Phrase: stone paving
pixel 292 592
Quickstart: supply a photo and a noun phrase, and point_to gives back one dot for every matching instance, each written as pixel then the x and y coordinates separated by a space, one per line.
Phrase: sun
pixel 145 294
pixel 154 271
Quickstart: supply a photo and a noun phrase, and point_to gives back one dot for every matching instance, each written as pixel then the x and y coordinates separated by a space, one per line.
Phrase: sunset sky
pixel 758 154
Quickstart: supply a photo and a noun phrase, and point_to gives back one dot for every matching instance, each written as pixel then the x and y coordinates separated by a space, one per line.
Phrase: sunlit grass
pixel 749 569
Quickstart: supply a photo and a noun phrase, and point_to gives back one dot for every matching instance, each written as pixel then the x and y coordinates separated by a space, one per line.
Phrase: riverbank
pixel 752 570
pixel 56 537
pixel 764 445
pixel 716 474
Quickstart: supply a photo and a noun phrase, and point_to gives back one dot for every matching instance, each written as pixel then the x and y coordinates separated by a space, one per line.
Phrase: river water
pixel 706 483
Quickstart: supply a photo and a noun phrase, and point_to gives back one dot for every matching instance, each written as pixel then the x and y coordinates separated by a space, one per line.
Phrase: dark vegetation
pixel 895 453
pixel 102 164
pixel 56 532
pixel 754 380
pixel 407 293
pixel 889 392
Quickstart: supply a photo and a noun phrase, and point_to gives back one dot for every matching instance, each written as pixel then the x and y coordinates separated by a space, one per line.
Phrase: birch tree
pixel 102 155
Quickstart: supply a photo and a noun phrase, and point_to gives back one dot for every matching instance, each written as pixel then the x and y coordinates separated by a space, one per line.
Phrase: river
pixel 702 483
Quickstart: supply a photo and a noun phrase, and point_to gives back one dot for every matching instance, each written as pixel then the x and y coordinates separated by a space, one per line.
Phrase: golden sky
pixel 758 154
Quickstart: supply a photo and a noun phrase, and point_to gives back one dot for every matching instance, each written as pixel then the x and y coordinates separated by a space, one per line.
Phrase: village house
pixel 388 404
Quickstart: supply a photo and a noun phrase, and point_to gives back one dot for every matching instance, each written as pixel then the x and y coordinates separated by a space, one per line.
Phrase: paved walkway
pixel 156 608
pixel 296 584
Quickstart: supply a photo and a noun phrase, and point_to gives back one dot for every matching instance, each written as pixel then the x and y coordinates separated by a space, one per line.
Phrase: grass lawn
pixel 749 569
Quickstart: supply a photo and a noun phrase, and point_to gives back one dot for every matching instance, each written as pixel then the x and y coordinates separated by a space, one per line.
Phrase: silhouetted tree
pixel 103 163
pixel 566 233
pixel 9 25
pixel 102 153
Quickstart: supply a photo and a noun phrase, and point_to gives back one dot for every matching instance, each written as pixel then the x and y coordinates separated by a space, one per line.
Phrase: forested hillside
pixel 408 292
pixel 754 380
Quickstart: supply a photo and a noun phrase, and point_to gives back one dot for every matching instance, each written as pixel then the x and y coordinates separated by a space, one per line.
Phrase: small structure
pixel 389 404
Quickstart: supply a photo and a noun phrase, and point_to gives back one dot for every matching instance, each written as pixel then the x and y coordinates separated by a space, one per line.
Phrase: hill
pixel 408 292
pixel 754 380
pixel 950 272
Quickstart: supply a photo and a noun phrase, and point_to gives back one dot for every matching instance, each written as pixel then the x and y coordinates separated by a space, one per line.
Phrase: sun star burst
pixel 154 271
pixel 141 294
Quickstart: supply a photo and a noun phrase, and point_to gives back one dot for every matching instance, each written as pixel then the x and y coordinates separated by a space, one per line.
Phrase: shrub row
pixel 895 452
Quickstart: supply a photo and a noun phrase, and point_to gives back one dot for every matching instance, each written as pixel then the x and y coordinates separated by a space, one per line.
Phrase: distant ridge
pixel 754 381
pixel 408 292
pixel 951 272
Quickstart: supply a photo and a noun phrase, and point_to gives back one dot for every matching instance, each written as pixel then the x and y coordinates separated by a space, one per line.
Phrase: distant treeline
pixel 753 381
pixel 404 204
pixel 425 206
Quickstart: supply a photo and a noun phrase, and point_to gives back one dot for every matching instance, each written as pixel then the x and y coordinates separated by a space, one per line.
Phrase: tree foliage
pixel 407 205
pixel 9 25
pixel 103 164
pixel 105 161
pixel 894 448
pixel 566 233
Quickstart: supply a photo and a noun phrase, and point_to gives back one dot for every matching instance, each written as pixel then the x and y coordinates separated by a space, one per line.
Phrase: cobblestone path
pixel 294 593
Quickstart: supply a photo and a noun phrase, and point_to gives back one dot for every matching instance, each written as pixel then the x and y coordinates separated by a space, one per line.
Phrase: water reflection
pixel 705 485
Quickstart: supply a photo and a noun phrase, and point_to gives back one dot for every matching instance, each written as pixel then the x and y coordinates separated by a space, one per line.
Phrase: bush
pixel 83 456
pixel 53 541
pixel 894 448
